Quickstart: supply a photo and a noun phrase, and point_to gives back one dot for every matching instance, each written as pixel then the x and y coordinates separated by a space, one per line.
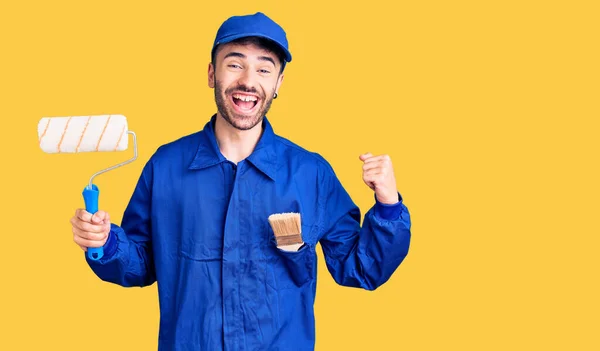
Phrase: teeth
pixel 245 97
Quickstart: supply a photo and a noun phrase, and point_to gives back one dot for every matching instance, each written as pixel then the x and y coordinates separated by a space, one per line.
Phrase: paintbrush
pixel 288 230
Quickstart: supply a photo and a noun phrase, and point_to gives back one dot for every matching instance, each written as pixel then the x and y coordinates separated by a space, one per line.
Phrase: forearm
pixel 366 257
pixel 125 261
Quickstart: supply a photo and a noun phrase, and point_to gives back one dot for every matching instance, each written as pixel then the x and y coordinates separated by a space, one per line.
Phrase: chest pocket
pixel 291 269
pixel 200 242
pixel 201 219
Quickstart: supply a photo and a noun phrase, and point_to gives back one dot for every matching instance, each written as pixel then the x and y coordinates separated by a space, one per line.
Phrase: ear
pixel 211 76
pixel 279 82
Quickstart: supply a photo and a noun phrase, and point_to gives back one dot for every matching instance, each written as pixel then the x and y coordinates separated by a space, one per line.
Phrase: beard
pixel 240 121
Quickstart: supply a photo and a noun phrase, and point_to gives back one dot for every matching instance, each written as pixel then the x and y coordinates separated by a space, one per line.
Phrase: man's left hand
pixel 378 174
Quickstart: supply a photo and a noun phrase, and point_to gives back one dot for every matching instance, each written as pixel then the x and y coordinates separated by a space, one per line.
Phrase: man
pixel 197 220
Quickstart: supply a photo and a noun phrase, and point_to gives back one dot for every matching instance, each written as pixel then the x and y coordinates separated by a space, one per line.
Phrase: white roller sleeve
pixel 83 134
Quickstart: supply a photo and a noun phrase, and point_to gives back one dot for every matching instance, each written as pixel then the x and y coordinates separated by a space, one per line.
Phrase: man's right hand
pixel 88 230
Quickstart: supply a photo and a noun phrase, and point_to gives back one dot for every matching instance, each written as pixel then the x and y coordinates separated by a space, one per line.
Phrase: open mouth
pixel 244 103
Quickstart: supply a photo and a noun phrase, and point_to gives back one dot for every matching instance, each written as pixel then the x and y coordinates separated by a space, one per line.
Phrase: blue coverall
pixel 197 225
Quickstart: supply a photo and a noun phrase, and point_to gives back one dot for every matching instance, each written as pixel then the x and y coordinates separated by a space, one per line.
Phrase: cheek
pixel 269 87
pixel 222 85
pixel 220 90
pixel 225 79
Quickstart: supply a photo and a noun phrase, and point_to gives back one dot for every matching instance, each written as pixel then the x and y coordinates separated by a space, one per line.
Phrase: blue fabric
pixel 257 24
pixel 388 211
pixel 197 224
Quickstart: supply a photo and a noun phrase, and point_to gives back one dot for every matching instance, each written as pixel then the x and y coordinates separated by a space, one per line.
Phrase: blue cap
pixel 256 25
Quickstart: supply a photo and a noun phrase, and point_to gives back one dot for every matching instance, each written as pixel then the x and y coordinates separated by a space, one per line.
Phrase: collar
pixel 264 157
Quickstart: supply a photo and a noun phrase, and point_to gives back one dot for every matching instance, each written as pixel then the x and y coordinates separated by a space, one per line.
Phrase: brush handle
pixel 90 196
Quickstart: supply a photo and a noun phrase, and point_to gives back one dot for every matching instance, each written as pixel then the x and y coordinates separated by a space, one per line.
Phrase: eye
pixel 233 65
pixel 264 71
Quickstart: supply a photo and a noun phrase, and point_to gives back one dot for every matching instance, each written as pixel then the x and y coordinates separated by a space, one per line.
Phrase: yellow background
pixel 489 110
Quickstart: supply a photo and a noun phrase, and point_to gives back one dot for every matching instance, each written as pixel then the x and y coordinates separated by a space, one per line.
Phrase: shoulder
pixel 185 146
pixel 297 155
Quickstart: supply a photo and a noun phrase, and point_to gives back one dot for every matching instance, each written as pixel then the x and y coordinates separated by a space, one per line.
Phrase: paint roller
pixel 100 133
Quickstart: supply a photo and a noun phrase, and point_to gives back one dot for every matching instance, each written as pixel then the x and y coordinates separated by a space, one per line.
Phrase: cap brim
pixel 225 40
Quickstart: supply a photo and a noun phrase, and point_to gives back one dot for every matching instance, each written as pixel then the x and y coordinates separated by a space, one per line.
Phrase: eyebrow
pixel 240 55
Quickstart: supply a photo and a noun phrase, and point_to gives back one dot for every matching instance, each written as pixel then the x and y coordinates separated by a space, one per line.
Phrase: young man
pixel 197 222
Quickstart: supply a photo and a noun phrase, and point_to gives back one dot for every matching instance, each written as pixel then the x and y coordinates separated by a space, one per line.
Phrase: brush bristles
pixel 287 228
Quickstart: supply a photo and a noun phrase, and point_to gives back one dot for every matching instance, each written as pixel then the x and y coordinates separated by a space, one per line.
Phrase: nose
pixel 247 79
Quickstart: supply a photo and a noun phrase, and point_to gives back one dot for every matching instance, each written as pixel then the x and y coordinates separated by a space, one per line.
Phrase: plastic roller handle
pixel 90 196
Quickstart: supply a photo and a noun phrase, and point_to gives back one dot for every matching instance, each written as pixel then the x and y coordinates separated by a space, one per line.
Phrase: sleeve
pixel 389 212
pixel 362 257
pixel 127 259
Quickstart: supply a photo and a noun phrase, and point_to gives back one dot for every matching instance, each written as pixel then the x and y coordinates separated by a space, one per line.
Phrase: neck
pixel 235 144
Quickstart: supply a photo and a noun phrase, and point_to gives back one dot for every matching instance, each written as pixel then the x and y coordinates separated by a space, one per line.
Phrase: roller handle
pixel 90 196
